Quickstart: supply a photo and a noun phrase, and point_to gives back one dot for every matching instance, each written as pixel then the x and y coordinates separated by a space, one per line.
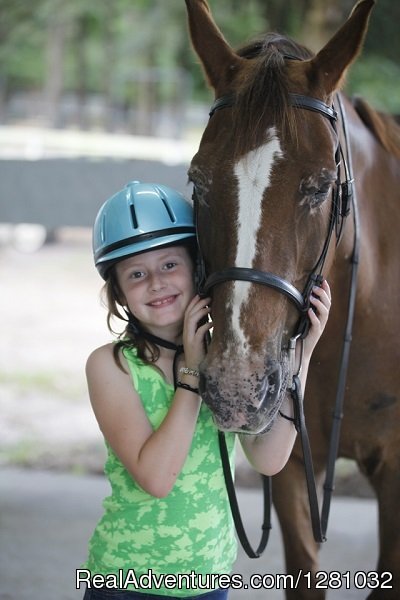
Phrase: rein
pixel 343 197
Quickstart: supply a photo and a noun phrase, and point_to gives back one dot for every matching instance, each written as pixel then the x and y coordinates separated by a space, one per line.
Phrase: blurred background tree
pixel 127 64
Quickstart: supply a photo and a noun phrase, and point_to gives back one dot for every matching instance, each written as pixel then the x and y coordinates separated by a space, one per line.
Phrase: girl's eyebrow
pixel 139 264
pixel 131 265
pixel 170 252
pixel 169 256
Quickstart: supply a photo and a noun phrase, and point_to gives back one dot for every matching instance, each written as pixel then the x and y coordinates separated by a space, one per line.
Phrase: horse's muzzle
pixel 242 403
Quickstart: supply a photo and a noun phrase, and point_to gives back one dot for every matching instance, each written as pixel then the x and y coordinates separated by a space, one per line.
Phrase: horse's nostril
pixel 242 403
pixel 270 383
pixel 274 380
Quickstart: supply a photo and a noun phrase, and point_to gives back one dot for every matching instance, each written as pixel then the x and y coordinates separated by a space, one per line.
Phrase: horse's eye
pixel 315 194
pixel 319 196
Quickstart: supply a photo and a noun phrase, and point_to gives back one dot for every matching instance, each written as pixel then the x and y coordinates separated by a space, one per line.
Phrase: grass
pixel 79 459
pixel 48 383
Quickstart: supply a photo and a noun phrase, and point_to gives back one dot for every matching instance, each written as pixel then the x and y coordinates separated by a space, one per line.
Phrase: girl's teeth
pixel 160 302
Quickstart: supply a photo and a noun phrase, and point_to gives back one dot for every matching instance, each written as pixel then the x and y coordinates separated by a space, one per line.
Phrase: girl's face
pixel 157 287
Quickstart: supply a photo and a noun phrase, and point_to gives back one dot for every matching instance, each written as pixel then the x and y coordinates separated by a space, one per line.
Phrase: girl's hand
pixel 194 334
pixel 321 302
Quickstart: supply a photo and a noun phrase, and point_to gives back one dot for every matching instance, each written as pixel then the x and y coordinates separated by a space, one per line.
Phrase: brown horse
pixel 263 178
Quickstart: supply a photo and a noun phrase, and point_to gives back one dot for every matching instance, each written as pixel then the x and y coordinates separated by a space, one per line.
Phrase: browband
pixel 296 100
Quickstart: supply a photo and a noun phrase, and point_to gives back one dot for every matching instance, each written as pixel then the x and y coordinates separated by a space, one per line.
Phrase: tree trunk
pixel 56 34
pixel 82 71
pixel 147 97
pixel 321 21
pixel 109 59
pixel 3 98
pixel 285 17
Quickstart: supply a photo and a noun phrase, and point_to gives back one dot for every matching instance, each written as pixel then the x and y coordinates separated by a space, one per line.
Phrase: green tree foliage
pixel 20 33
pixel 116 48
pixel 376 75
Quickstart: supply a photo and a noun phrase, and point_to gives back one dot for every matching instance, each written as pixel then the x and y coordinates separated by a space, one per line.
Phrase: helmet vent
pixel 169 211
pixel 103 229
pixel 135 223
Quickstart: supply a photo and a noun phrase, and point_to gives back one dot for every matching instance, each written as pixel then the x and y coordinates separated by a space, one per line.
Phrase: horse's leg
pixel 301 551
pixel 385 479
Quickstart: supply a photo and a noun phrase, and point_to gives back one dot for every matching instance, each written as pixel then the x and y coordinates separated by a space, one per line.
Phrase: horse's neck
pixel 377 185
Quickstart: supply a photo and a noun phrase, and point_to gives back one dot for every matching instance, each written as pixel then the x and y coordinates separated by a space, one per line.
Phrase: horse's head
pixel 263 179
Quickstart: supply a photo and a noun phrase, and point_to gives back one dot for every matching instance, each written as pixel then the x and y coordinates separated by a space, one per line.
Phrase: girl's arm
pixel 154 458
pixel 268 453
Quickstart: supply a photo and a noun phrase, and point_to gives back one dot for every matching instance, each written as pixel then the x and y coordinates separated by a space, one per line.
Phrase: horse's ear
pixel 329 66
pixel 217 57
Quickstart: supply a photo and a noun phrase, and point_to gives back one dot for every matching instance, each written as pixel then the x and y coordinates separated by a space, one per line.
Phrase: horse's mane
pixel 386 128
pixel 263 93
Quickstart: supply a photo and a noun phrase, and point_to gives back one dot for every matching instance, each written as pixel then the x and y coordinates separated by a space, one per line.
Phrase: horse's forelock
pixel 285 45
pixel 262 93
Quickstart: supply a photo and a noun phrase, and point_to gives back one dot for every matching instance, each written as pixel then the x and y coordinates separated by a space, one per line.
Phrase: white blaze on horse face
pixel 253 173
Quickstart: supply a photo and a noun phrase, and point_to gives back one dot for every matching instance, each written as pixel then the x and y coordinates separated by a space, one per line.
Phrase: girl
pixel 167 529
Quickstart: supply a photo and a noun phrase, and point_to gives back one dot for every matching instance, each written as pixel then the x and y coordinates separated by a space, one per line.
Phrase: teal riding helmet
pixel 142 216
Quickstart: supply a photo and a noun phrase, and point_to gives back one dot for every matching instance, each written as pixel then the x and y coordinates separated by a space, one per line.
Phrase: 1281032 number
pixel 360 580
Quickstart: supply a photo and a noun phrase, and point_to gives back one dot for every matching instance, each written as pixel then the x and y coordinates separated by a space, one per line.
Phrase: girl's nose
pixel 157 282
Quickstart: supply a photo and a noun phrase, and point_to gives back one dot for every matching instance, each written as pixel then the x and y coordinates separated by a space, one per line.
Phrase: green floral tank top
pixel 188 535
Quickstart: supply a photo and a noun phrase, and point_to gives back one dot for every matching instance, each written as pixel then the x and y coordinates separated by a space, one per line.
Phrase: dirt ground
pixel 51 319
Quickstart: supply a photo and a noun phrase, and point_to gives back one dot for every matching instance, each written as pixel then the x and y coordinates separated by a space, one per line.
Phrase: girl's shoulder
pixel 102 353
pixel 102 361
pixel 107 352
pixel 106 379
pixel 111 362
pixel 118 365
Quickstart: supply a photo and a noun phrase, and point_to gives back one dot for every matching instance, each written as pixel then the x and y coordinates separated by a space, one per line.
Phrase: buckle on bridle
pixel 292 357
pixel 347 197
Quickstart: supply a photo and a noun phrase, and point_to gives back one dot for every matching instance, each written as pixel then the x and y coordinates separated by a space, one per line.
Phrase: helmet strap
pixel 137 329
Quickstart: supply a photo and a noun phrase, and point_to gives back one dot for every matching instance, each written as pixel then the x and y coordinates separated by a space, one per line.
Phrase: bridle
pixel 343 198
